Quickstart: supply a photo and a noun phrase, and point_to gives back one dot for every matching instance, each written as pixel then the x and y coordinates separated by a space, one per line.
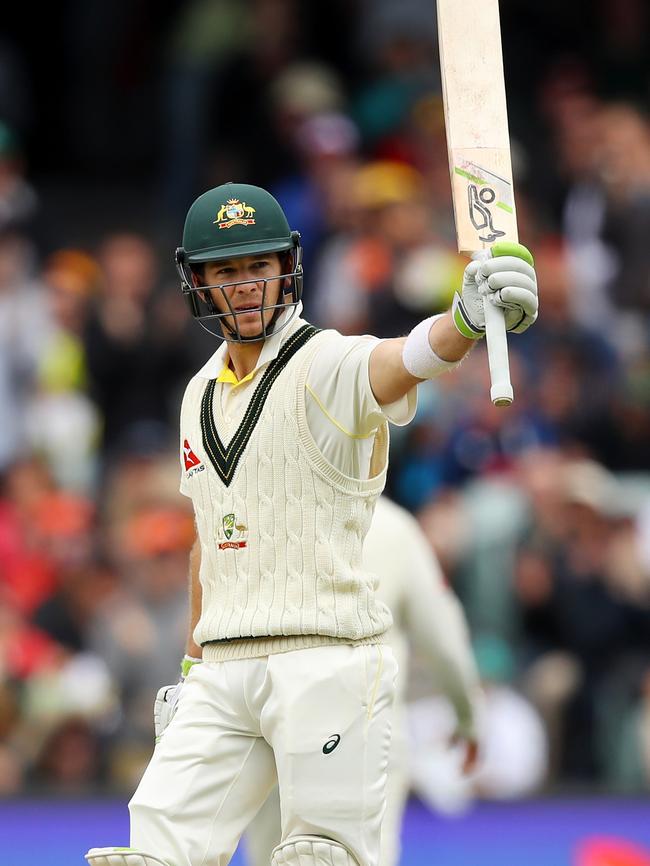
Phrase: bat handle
pixel 501 391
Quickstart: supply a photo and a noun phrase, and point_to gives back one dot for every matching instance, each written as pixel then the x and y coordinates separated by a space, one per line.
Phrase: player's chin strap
pixel 122 857
pixel 312 851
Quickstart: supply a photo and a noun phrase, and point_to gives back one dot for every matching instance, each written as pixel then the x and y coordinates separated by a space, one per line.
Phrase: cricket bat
pixel 478 144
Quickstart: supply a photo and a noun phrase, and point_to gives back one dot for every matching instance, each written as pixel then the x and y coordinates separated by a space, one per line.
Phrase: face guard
pixel 228 222
pixel 203 307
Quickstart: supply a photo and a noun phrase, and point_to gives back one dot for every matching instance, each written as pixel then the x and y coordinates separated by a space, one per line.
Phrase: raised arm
pixel 389 378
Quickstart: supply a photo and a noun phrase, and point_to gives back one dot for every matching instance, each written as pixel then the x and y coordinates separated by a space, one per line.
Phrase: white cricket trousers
pixel 316 721
pixel 263 833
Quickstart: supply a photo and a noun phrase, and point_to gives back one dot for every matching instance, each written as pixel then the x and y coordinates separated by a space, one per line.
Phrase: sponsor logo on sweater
pixel 192 462
pixel 229 528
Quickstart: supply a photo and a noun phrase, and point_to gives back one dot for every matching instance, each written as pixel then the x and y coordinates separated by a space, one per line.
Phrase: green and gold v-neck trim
pixel 226 458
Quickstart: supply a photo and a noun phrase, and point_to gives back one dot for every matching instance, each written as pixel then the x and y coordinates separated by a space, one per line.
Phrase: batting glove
pixel 505 275
pixel 166 703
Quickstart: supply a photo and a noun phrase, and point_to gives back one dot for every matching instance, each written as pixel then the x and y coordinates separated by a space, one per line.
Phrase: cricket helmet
pixel 232 220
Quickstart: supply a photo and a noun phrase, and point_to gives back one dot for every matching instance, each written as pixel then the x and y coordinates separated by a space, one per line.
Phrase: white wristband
pixel 417 355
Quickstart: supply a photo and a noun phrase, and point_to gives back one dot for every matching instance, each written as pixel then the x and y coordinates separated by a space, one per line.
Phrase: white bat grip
pixel 497 345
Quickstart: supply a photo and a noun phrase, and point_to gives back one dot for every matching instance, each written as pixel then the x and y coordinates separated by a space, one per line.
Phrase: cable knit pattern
pixel 289 562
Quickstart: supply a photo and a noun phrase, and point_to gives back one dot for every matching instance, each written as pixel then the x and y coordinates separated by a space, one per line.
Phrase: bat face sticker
pixel 480 213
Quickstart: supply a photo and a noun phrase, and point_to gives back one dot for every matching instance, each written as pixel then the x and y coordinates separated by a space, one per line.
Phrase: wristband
pixel 188 663
pixel 417 355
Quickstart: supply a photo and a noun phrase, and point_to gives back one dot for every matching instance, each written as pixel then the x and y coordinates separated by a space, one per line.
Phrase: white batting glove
pixel 505 275
pixel 166 702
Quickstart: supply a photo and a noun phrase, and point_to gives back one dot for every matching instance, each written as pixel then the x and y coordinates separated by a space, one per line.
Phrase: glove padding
pixel 166 702
pixel 505 275
pixel 165 706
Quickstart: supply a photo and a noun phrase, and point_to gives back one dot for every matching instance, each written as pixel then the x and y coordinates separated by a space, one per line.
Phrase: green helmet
pixel 237 219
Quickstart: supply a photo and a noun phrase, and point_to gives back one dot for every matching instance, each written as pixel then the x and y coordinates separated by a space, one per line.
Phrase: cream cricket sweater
pixel 281 530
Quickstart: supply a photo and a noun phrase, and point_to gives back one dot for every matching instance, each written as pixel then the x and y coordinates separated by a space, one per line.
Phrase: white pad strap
pixel 417 355
pixel 312 851
pixel 122 857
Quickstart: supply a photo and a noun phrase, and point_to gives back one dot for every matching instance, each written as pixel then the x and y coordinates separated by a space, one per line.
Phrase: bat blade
pixel 476 121
pixel 478 144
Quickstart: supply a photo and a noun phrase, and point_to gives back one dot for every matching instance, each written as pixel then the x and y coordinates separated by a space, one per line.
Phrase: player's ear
pixel 198 279
pixel 286 264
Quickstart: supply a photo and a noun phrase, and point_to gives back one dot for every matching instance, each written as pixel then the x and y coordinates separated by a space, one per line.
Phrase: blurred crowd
pixel 540 514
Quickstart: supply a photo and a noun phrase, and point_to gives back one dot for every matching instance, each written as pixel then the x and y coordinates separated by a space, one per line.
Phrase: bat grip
pixel 501 391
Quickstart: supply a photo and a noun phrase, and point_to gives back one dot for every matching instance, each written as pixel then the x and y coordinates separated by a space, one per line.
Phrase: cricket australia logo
pixel 228 528
pixel 235 213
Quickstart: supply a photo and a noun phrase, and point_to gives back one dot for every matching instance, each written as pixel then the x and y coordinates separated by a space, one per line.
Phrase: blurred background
pixel 113 117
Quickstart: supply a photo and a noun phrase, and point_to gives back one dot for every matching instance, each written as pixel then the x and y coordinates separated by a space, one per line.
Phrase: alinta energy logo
pixel 234 533
pixel 192 462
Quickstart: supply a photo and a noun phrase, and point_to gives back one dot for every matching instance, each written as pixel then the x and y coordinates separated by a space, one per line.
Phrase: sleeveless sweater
pixel 281 530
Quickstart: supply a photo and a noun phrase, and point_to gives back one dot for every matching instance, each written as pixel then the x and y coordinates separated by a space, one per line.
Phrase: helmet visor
pixel 253 248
